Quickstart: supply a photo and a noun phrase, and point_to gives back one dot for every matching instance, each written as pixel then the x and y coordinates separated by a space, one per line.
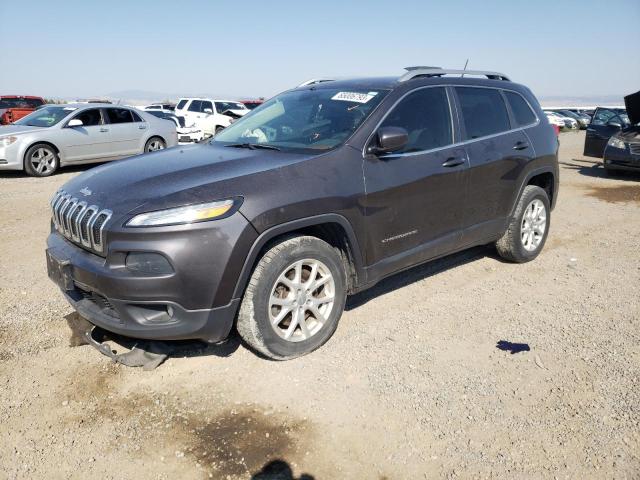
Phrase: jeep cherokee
pixel 319 193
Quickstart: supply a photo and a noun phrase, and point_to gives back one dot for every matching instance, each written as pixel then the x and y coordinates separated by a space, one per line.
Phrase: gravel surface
pixel 411 385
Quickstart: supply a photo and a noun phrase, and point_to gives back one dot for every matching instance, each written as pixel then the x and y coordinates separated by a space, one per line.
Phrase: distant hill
pixel 549 101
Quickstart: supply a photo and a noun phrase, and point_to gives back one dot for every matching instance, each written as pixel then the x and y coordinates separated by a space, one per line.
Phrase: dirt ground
pixel 411 386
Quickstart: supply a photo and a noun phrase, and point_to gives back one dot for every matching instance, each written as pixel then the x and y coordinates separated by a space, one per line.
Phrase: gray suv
pixel 317 194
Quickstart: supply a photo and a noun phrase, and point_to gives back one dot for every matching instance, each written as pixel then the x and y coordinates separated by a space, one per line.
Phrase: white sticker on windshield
pixel 354 96
pixel 70 109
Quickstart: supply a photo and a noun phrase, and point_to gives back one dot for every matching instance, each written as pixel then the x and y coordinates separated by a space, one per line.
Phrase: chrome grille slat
pixel 82 224
pixel 635 148
pixel 75 220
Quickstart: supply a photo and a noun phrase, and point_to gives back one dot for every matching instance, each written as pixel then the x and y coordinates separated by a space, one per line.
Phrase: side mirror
pixel 615 124
pixel 390 139
pixel 208 110
pixel 76 122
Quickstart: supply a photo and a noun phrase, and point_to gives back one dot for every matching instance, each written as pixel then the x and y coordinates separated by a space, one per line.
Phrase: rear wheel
pixel 528 229
pixel 154 144
pixel 41 160
pixel 294 299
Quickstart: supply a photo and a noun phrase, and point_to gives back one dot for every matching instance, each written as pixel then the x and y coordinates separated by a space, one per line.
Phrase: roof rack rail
pixel 315 81
pixel 413 72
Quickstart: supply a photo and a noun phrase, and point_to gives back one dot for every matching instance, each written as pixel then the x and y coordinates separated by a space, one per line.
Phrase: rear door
pixel 91 141
pixel 498 152
pixel 126 134
pixel 604 124
pixel 415 196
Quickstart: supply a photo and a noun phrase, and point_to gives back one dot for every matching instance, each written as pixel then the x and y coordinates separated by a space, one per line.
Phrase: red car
pixel 14 107
pixel 251 104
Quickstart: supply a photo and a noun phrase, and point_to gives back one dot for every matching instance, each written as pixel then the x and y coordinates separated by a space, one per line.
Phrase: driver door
pixel 603 126
pixel 415 197
pixel 90 141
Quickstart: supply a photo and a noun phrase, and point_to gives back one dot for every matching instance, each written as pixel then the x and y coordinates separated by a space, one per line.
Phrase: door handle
pixel 453 162
pixel 142 127
pixel 104 129
pixel 520 145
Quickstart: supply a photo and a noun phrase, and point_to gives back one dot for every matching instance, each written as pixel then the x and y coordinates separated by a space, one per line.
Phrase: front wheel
pixel 294 299
pixel 154 144
pixel 528 229
pixel 41 160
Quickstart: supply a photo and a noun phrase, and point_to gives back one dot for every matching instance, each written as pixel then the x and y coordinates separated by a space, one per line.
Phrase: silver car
pixel 58 135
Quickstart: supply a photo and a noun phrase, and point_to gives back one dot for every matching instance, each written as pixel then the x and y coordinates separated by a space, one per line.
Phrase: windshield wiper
pixel 253 146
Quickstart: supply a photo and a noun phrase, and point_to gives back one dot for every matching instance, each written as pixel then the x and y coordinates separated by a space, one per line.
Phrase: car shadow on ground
pixel 421 272
pixel 593 168
pixel 278 470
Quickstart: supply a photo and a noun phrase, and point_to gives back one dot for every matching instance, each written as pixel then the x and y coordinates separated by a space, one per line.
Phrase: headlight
pixel 615 142
pixel 6 141
pixel 189 214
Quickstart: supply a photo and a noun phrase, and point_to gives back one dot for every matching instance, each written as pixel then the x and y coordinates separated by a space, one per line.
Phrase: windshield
pixel 304 120
pixel 45 117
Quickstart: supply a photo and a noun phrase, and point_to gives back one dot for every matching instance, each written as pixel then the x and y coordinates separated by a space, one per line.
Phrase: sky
pixel 247 49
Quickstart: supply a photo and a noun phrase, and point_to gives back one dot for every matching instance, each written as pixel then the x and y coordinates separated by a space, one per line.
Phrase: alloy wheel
pixel 301 300
pixel 43 161
pixel 155 145
pixel 534 224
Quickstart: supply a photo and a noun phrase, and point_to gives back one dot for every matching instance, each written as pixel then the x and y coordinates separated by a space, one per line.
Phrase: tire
pixel 218 129
pixel 258 312
pixel 523 241
pixel 41 160
pixel 154 144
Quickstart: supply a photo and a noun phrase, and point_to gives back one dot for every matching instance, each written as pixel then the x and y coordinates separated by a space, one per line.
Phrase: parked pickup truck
pixel 13 107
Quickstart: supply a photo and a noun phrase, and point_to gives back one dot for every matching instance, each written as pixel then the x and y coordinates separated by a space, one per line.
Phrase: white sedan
pixel 59 135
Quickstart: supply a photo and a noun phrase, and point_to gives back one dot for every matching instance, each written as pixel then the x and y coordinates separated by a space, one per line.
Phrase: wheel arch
pixel 41 142
pixel 544 177
pixel 332 228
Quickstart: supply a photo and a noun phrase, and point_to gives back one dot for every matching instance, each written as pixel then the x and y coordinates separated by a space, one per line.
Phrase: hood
pixel 632 102
pixel 175 177
pixel 18 129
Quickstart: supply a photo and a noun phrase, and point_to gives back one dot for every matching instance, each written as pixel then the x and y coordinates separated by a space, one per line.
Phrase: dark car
pixel 622 151
pixel 583 120
pixel 606 122
pixel 319 193
pixel 178 120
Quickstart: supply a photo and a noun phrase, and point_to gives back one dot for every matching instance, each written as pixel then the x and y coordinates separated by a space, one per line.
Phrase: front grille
pixel 81 223
pixel 635 148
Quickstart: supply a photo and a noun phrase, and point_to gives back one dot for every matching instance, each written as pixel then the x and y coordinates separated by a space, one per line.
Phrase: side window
pixel 483 111
pixel 426 117
pixel 136 117
pixel 90 117
pixel 520 108
pixel 206 104
pixel 196 106
pixel 181 104
pixel 119 115
pixel 602 116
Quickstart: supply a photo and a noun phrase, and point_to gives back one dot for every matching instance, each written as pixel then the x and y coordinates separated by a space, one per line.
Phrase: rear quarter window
pixel 521 110
pixel 483 111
